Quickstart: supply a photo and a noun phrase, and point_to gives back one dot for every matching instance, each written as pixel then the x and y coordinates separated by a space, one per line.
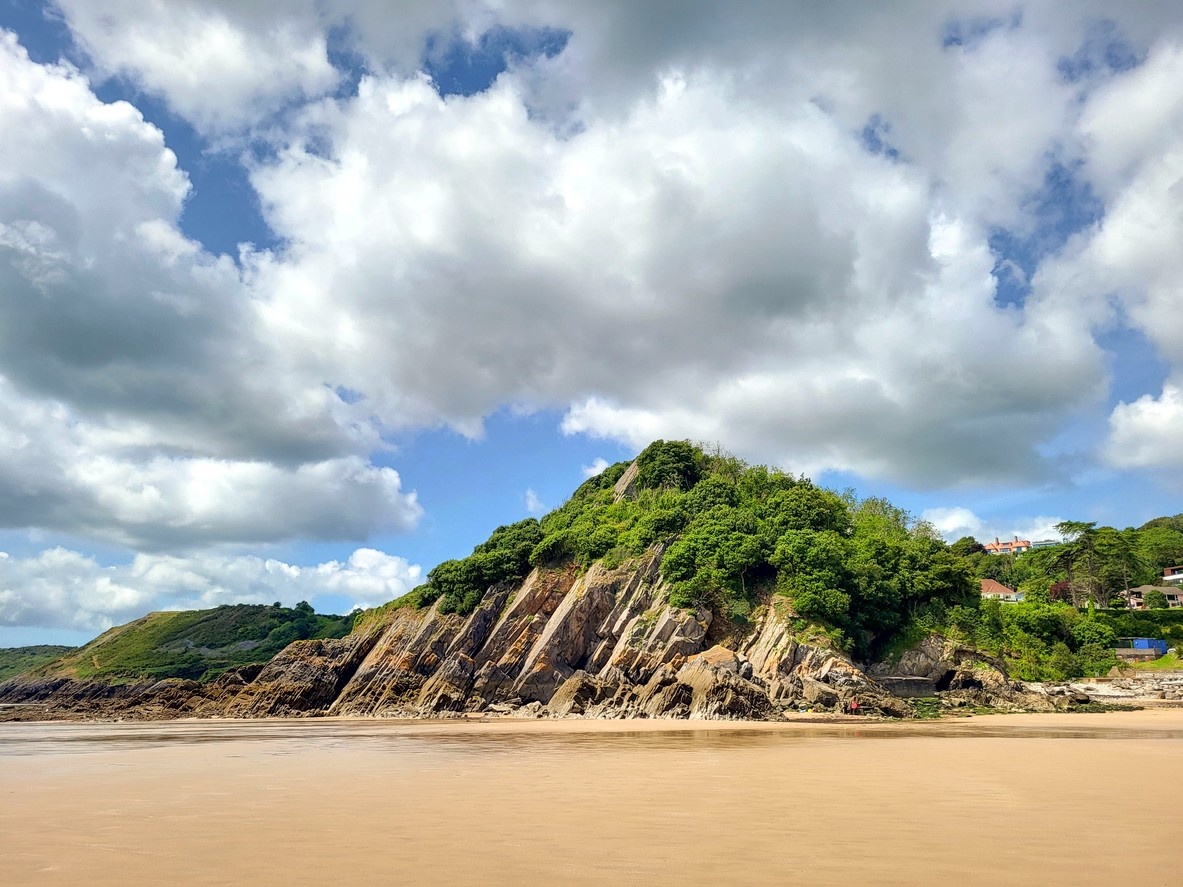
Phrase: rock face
pixel 603 643
pixel 963 677
pixel 304 677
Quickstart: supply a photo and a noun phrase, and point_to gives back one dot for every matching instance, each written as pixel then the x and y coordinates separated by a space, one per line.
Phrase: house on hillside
pixel 1136 597
pixel 1172 575
pixel 1018 546
pixel 999 592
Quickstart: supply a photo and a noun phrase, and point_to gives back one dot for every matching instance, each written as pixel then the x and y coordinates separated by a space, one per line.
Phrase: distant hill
pixel 1174 522
pixel 14 660
pixel 193 644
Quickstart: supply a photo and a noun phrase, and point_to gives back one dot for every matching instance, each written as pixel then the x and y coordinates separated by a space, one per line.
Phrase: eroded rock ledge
pixel 603 643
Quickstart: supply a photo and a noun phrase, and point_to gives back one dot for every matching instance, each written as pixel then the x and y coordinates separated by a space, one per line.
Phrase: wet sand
pixel 1053 799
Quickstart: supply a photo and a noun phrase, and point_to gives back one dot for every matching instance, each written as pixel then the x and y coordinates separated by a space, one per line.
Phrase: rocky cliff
pixel 648 593
pixel 601 643
pixel 597 643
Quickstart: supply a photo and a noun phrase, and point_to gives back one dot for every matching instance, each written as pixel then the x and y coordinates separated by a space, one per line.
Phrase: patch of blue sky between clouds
pixel 41 31
pixel 222 209
pixel 1135 365
pixel 348 395
pixel 468 487
pixel 1104 51
pixel 346 60
pixel 876 137
pixel 1064 205
pixel 967 34
pixel 462 67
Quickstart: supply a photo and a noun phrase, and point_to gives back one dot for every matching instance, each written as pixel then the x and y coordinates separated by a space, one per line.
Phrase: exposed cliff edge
pixel 682 584
pixel 602 643
pixel 597 643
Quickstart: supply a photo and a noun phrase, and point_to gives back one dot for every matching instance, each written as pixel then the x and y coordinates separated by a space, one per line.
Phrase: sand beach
pixel 1058 799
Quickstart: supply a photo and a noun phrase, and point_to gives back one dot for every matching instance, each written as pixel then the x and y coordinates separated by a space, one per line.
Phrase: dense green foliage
pixel 1053 641
pixel 1094 565
pixel 1064 628
pixel 736 534
pixel 196 644
pixel 459 585
pixel 1156 600
pixel 14 660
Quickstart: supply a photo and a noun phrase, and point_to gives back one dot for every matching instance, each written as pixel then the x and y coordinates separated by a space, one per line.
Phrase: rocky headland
pixel 680 585
pixel 600 643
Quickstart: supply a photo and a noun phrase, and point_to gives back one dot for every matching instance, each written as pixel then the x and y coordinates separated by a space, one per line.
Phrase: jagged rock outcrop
pixel 72 699
pixel 602 643
pixel 1137 689
pixel 945 665
pixel 626 486
pixel 307 676
pixel 964 677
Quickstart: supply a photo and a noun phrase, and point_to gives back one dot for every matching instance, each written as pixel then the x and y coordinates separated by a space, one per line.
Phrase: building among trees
pixel 999 592
pixel 1017 546
pixel 1153 597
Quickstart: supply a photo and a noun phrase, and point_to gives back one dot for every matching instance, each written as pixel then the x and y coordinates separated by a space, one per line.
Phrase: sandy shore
pixel 1053 799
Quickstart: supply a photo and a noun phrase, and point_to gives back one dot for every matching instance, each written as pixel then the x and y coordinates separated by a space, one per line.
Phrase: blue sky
pixel 301 299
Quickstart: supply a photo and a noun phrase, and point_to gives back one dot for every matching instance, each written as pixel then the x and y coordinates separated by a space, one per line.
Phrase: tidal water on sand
pixel 980 801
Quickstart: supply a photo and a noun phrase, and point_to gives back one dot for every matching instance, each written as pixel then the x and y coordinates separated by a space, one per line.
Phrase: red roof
pixel 990 587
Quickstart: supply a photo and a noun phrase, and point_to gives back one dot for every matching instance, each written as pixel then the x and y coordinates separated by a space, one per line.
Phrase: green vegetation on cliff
pixel 459 585
pixel 1094 564
pixel 1041 641
pixel 1073 611
pixel 14 660
pixel 736 535
pixel 876 580
pixel 194 644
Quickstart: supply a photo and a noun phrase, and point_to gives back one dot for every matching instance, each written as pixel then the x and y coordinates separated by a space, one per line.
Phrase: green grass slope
pixel 194 644
pixel 14 660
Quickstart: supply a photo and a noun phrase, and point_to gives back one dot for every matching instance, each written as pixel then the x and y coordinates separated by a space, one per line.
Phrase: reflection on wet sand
pixel 991 800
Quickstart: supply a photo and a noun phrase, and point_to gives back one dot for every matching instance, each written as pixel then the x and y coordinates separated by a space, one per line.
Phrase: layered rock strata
pixel 601 643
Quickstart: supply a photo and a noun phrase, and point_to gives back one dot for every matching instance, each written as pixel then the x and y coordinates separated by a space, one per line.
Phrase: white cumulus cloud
pixel 60 588
pixel 1148 433
pixel 956 521
pixel 534 505
pixel 221 66
pixel 142 403
pixel 597 467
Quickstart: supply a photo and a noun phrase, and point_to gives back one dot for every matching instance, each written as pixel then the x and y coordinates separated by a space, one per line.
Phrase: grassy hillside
pixel 14 660
pixel 194 644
